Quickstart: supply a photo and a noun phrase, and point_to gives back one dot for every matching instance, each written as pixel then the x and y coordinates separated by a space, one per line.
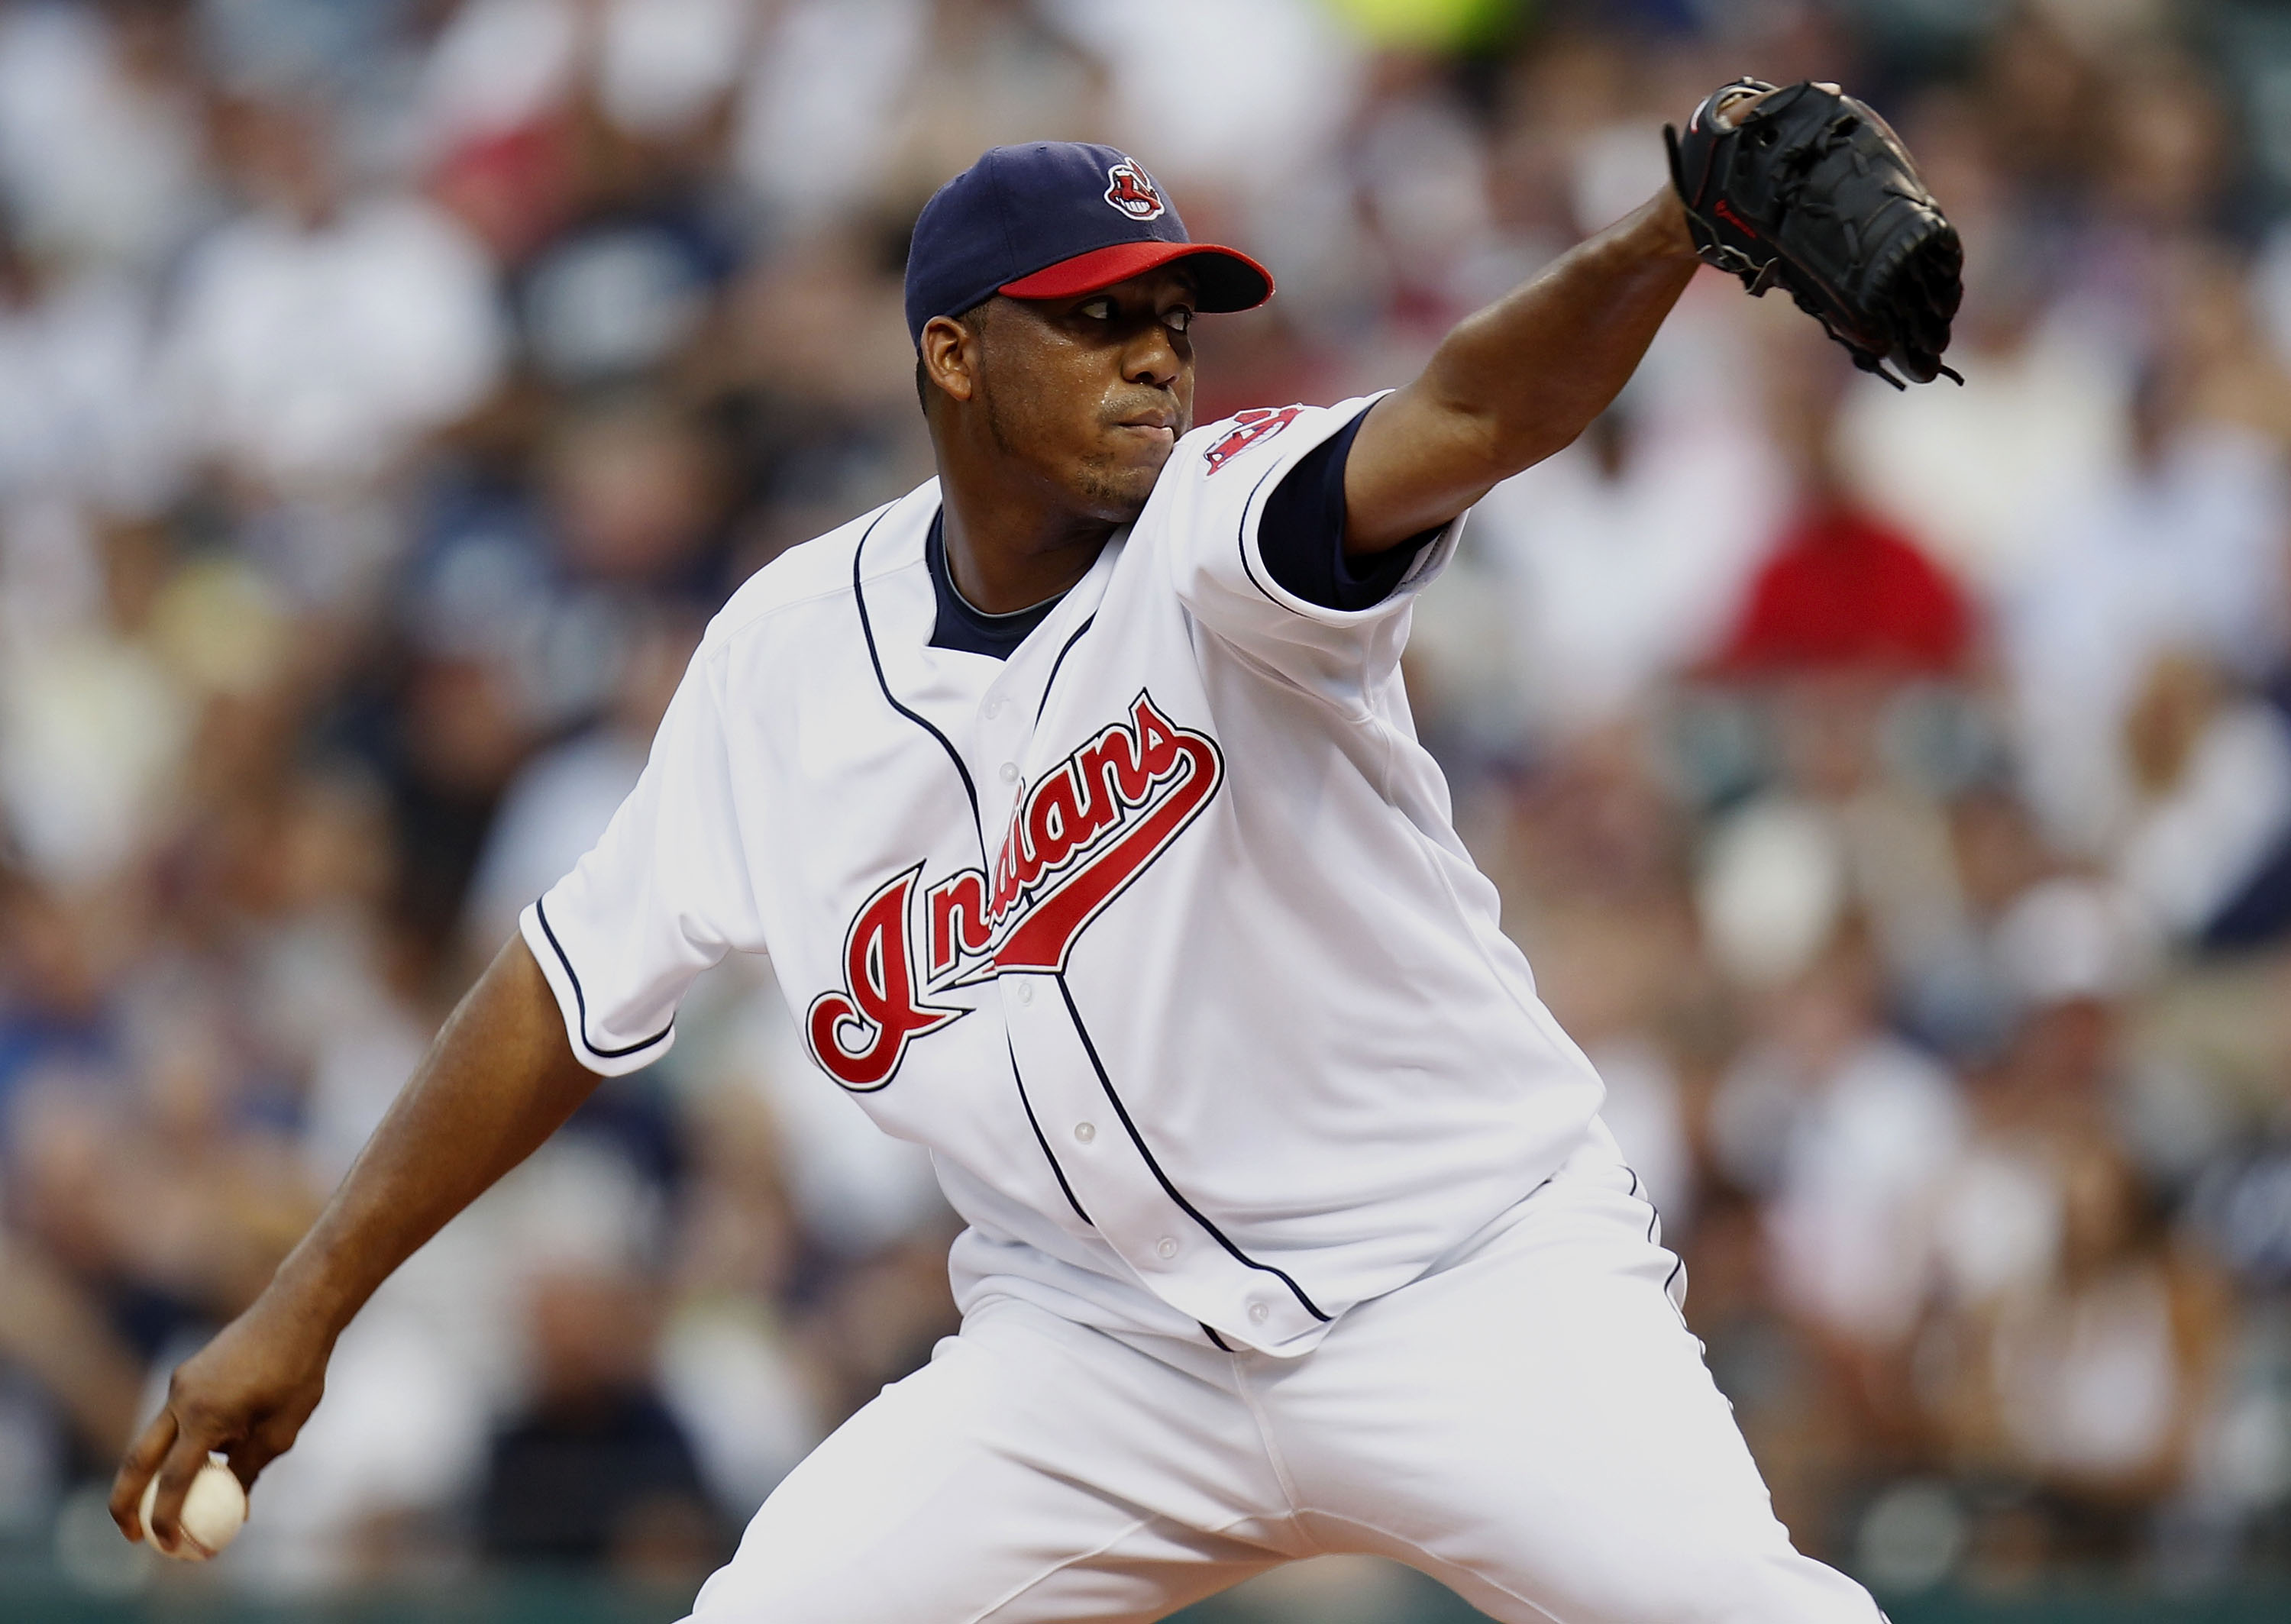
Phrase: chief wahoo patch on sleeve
pixel 1078 836
pixel 1258 423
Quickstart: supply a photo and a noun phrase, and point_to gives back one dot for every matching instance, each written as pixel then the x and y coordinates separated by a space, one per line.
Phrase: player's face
pixel 1092 392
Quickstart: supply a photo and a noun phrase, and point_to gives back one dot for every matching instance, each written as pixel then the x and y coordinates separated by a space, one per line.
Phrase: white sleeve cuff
pixel 600 1052
pixel 1431 559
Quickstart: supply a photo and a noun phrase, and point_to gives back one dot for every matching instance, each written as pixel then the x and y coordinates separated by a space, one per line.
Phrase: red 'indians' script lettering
pixel 860 1033
pixel 1078 836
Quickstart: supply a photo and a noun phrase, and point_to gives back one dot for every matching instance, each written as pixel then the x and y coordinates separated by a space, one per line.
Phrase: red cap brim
pixel 1229 279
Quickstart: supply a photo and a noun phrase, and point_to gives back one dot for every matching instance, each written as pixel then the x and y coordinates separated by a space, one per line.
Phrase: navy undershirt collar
pixel 966 629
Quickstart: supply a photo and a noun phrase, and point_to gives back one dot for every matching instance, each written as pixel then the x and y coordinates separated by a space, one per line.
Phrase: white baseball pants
pixel 1530 1424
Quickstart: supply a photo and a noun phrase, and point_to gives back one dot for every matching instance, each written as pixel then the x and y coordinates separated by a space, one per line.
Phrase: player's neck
pixel 1006 553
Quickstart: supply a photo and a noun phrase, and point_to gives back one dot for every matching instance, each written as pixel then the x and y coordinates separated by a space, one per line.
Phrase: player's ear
pixel 950 357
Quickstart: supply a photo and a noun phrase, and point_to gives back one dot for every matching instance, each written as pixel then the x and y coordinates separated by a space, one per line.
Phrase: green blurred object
pixel 32 1593
pixel 2069 1601
pixel 36 1595
pixel 1431 24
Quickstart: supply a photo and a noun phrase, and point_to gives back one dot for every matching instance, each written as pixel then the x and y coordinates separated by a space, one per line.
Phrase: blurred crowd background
pixel 1891 791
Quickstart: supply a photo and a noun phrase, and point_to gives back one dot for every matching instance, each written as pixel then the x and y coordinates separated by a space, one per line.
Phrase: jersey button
pixel 1165 1248
pixel 1025 993
pixel 1085 1132
pixel 993 709
pixel 1010 772
pixel 1258 1313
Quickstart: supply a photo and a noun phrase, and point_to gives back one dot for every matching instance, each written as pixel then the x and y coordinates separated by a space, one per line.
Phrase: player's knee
pixel 769 1582
pixel 1747 1583
pixel 726 1599
pixel 745 1591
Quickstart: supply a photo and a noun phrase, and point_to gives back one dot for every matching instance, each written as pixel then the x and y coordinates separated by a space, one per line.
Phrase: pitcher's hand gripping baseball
pixel 1808 189
pixel 246 1394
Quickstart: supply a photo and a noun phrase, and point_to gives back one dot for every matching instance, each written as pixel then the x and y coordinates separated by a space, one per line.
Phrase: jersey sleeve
pixel 1212 505
pixel 664 894
pixel 1301 534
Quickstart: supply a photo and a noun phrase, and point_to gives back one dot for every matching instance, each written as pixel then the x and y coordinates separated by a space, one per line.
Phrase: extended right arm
pixel 500 1079
pixel 1521 379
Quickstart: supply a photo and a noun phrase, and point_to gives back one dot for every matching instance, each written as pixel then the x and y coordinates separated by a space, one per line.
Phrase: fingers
pixel 271 1436
pixel 1734 108
pixel 184 1458
pixel 246 1462
pixel 143 1458
pixel 249 1455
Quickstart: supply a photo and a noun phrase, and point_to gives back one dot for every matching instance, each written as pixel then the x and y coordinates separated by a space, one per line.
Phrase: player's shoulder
pixel 819 571
pixel 1262 437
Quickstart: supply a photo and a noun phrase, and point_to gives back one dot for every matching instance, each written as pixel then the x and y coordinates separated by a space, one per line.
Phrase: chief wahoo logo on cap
pixel 1130 189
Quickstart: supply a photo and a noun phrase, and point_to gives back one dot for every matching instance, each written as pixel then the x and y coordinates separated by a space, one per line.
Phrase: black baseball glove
pixel 1814 192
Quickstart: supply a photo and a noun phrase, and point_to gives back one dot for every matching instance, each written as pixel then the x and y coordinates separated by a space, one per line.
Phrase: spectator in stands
pixel 1841 589
pixel 596 1470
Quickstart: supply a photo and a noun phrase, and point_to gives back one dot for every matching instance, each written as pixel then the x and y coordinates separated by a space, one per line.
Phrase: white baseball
pixel 213 1512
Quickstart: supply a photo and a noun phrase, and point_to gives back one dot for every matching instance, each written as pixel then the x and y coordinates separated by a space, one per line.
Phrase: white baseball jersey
pixel 1157 933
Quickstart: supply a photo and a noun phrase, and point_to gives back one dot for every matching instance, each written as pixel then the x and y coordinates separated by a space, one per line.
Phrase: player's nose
pixel 1151 357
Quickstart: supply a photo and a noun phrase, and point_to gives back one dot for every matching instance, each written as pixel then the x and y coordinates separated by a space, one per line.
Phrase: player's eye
pixel 1178 319
pixel 1099 309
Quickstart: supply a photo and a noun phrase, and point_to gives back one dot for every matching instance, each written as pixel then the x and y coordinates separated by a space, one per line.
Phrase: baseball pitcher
pixel 1075 799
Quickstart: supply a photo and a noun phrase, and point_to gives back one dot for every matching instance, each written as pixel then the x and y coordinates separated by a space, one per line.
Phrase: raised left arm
pixel 1517 381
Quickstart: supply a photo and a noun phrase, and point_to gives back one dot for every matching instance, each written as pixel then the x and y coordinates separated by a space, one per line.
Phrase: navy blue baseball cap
pixel 1052 219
